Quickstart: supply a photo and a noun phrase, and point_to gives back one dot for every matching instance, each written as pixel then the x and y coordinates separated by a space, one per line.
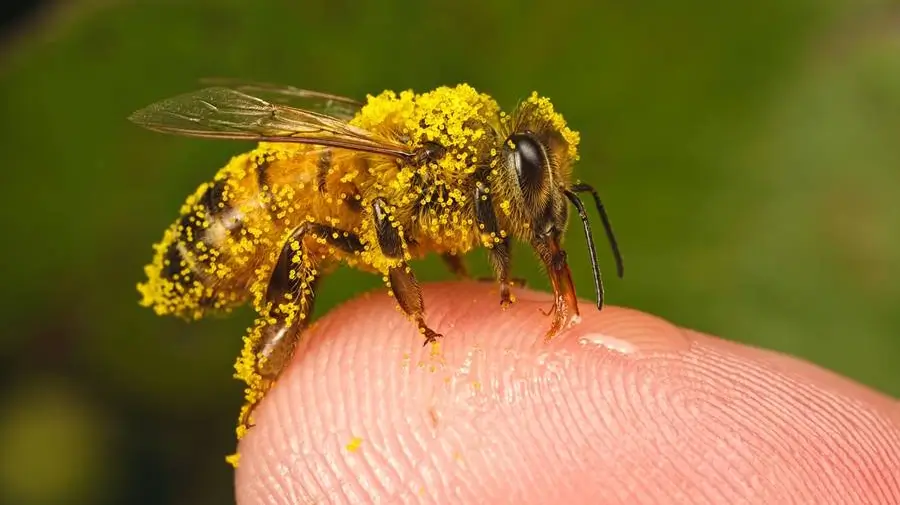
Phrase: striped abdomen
pixel 192 271
pixel 231 228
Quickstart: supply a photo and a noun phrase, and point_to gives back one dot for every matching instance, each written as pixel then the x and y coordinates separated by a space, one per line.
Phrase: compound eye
pixel 527 156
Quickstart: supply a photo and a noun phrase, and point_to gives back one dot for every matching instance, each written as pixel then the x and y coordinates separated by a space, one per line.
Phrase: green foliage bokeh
pixel 745 150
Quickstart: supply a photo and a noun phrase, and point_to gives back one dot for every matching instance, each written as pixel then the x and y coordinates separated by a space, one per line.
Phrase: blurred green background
pixel 747 152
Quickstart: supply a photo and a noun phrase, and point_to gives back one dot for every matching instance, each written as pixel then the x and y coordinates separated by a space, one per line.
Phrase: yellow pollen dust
pixel 354 444
pixel 543 110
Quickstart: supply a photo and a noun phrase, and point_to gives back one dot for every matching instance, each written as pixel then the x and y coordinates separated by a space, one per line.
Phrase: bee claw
pixel 245 419
pixel 431 339
pixel 506 297
pixel 431 336
pixel 506 301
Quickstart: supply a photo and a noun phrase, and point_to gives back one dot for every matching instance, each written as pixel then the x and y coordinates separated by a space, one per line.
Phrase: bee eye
pixel 527 156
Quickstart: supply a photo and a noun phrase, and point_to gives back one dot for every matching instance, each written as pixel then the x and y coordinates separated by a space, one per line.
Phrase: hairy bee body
pixel 402 176
pixel 224 246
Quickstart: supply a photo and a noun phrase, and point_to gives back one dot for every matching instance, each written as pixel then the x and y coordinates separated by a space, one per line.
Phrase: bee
pixel 373 186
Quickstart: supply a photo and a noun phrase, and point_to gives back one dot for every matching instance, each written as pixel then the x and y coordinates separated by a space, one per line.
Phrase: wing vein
pixel 225 113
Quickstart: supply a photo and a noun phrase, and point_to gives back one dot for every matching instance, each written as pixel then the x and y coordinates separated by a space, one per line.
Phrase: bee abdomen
pixel 191 274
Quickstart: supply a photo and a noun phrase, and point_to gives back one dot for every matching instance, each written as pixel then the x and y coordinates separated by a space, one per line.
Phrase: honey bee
pixel 371 185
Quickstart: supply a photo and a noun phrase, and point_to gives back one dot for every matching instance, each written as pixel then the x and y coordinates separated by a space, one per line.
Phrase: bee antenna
pixel 610 236
pixel 589 236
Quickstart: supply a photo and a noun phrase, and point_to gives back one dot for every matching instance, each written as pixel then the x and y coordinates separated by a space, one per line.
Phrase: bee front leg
pixel 401 280
pixel 565 306
pixel 286 309
pixel 496 241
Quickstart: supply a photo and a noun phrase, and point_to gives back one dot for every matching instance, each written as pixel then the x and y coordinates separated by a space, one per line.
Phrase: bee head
pixel 532 187
pixel 532 170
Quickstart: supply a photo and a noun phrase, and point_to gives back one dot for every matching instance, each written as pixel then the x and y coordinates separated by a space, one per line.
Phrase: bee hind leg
pixel 401 280
pixel 286 310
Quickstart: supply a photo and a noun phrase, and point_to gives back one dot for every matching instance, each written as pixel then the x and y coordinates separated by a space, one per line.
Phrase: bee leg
pixel 565 306
pixel 406 290
pixel 287 307
pixel 496 241
pixel 285 310
pixel 456 265
pixel 402 282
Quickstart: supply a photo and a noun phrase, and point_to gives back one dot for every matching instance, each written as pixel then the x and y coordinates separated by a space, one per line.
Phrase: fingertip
pixel 368 341
pixel 494 411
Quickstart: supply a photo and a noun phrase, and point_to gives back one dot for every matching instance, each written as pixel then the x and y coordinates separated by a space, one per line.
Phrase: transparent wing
pixel 337 106
pixel 225 113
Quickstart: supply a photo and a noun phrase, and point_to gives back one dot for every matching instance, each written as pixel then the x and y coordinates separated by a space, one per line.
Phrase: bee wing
pixel 225 113
pixel 337 106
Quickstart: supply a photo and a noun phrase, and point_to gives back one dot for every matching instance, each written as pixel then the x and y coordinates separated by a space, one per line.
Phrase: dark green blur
pixel 746 151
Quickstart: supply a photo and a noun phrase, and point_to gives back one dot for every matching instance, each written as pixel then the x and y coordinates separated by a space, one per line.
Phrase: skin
pixel 623 408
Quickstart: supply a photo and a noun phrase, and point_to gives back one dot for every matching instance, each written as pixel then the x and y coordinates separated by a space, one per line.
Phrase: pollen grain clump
pixel 542 110
pixel 462 121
